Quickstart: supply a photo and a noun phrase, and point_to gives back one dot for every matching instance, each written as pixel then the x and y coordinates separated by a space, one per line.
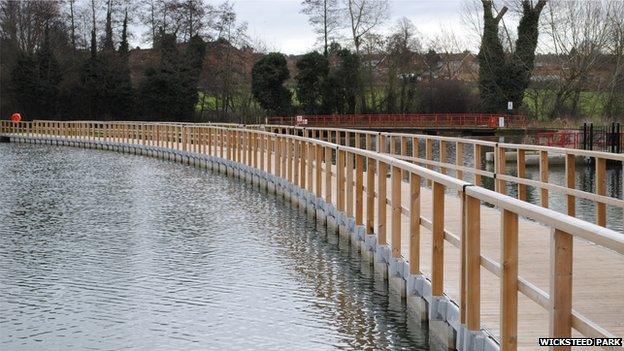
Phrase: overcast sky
pixel 281 26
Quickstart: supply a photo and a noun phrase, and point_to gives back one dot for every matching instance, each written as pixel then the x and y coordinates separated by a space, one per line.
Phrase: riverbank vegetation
pixel 553 59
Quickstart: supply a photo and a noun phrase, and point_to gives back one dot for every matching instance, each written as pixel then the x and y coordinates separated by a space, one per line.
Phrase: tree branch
pixel 540 5
pixel 502 13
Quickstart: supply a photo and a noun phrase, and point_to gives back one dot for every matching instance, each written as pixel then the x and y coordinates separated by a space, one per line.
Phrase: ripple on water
pixel 104 251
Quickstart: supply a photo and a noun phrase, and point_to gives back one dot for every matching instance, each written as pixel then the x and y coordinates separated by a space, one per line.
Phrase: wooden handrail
pixel 598 197
pixel 300 159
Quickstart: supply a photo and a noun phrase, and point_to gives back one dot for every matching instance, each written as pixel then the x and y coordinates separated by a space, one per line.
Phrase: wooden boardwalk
pixel 598 272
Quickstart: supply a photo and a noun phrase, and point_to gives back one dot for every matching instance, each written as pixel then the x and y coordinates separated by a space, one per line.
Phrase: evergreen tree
pixel 122 94
pixel 191 71
pixel 267 84
pixel 503 77
pixel 169 92
pixel 313 69
pixel 36 80
pixel 48 79
pixel 347 81
pixel 24 84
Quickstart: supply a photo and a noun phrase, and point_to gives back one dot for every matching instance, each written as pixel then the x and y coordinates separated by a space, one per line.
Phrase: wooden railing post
pixel 570 170
pixel 543 169
pixel 359 188
pixel 472 220
pixel 477 164
pixel 499 169
pixel 509 281
pixel 296 161
pixel 221 142
pixel 415 147
pixel 309 159
pixel 256 149
pixel 328 174
pixel 521 166
pixel 270 154
pixel 429 155
pixel 381 143
pixel 437 242
pixel 396 212
pixel 442 146
pixel 210 140
pixel 302 164
pixel 370 195
pixel 382 170
pixel 459 159
pixel 414 244
pixel 289 159
pixel 318 169
pixel 340 180
pixel 561 286
pixel 601 183
pixel 349 182
pixel 247 151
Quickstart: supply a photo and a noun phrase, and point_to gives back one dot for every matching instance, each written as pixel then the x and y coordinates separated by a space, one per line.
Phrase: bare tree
pixel 364 16
pixel 403 46
pixel 578 32
pixel 325 18
pixel 614 104
pixel 24 22
pixel 193 16
pixel 455 58
pixel 160 16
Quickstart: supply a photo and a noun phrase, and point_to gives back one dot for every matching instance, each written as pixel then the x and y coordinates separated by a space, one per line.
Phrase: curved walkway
pixel 547 253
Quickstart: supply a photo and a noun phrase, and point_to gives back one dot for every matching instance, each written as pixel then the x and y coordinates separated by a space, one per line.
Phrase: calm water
pixel 104 251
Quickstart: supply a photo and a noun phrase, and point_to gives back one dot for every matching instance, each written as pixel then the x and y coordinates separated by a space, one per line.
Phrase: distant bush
pixel 447 96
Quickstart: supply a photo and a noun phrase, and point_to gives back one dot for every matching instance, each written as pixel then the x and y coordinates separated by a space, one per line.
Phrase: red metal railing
pixel 574 139
pixel 438 120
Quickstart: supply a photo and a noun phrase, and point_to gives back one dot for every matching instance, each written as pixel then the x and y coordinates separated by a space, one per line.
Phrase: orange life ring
pixel 16 117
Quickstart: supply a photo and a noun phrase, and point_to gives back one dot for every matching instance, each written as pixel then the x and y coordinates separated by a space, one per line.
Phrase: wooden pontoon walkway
pixel 598 272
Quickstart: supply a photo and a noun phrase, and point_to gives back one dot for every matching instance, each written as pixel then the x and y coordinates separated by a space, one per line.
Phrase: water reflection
pixel 105 251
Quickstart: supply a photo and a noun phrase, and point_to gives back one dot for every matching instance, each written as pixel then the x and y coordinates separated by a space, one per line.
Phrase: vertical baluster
pixel 543 169
pixel 340 180
pixel 328 175
pixel 437 255
pixel 359 189
pixel 429 155
pixel 396 212
pixel 318 169
pixel 499 166
pixel 477 163
pixel 442 146
pixel 521 166
pixel 509 281
pixel 570 170
pixel 370 195
pixel 381 202
pixel 349 182
pixel 561 245
pixel 414 251
pixel 459 159
pixel 472 220
pixel 601 185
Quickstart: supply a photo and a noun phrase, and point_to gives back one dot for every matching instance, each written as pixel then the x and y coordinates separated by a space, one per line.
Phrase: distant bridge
pixel 436 121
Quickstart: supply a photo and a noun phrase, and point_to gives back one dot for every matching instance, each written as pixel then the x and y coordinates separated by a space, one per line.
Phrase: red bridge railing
pixel 438 120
